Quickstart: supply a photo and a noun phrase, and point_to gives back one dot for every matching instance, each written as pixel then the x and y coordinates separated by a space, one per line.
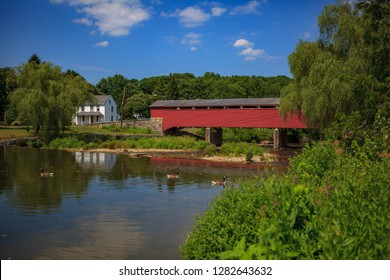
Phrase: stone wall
pixel 154 124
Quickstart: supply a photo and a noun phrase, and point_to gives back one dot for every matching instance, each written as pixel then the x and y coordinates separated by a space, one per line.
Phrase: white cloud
pixel 249 8
pixel 191 39
pixel 193 49
pixel 112 17
pixel 103 44
pixel 252 52
pixel 249 52
pixel 242 43
pixel 217 11
pixel 83 21
pixel 193 16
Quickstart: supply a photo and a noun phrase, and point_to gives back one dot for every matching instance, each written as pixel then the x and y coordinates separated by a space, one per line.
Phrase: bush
pixel 36 143
pixel 66 143
pixel 91 146
pixel 248 135
pixel 21 142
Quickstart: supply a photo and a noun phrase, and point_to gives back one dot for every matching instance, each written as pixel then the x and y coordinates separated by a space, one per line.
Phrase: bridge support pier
pixel 214 136
pixel 280 138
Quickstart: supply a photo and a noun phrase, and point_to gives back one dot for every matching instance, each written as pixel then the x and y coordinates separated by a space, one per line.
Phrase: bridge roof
pixel 202 103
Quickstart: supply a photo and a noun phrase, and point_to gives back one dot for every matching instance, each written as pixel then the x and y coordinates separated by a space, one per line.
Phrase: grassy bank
pixel 332 204
pixel 114 138
pixel 164 143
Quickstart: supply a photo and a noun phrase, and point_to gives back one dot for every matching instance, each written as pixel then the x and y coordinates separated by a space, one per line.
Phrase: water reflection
pixel 102 205
pixel 93 160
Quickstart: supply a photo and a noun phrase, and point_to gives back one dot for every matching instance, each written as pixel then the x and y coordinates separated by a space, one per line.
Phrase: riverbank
pixel 170 147
pixel 267 157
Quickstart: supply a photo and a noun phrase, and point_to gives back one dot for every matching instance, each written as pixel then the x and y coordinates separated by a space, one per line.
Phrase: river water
pixel 103 205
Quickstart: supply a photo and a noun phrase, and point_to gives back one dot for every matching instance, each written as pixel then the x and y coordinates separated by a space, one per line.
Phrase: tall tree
pixel 173 92
pixel 34 58
pixel 339 73
pixel 137 106
pixel 46 98
pixel 113 86
pixel 7 85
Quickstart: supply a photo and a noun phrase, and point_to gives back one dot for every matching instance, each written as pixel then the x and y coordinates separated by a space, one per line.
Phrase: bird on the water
pixel 46 174
pixel 219 182
pixel 173 176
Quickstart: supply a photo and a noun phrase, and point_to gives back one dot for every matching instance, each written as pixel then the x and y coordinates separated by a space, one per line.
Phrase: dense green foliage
pixel 330 205
pixel 347 70
pixel 47 98
pixel 248 135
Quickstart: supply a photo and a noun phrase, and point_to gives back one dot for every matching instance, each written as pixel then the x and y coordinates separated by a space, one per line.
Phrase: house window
pixel 109 101
pixel 98 108
pixel 112 109
pixel 112 118
pixel 82 108
pixel 83 119
pixel 91 108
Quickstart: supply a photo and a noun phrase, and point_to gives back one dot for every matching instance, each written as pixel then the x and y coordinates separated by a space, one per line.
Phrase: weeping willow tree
pixel 46 98
pixel 347 70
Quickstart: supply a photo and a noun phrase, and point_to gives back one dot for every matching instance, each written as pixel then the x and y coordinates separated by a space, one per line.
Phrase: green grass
pixel 88 130
pixel 10 132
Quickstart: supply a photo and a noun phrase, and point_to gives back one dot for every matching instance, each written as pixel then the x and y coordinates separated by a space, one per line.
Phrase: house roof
pixel 234 102
pixel 102 99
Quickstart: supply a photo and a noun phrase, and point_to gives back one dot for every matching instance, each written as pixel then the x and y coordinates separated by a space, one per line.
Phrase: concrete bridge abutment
pixel 214 136
pixel 280 138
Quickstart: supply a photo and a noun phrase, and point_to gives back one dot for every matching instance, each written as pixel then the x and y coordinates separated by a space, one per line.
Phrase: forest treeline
pixel 137 94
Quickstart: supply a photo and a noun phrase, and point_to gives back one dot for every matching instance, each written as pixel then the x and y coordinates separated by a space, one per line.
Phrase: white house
pixel 104 111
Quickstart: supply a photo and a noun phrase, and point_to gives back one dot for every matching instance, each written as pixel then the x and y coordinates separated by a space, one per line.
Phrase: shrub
pixel 36 143
pixel 65 143
pixel 21 142
pixel 91 146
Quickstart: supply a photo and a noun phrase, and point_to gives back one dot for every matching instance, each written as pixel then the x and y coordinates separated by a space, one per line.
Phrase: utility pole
pixel 123 104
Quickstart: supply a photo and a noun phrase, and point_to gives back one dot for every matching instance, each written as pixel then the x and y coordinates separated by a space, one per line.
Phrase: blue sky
pixel 144 38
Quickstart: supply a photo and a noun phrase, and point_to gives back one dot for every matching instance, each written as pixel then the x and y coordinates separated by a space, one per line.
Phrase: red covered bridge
pixel 223 113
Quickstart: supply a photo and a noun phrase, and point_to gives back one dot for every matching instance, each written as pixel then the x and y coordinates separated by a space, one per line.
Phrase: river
pixel 103 205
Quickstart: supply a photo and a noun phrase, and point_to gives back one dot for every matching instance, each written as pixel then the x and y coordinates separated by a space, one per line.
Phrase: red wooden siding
pixel 245 118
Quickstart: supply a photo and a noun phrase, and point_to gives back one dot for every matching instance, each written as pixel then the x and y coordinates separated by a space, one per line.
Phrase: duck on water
pixel 219 182
pixel 46 174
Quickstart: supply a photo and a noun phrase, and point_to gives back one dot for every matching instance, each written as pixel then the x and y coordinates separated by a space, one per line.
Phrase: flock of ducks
pixel 213 183
pixel 169 176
